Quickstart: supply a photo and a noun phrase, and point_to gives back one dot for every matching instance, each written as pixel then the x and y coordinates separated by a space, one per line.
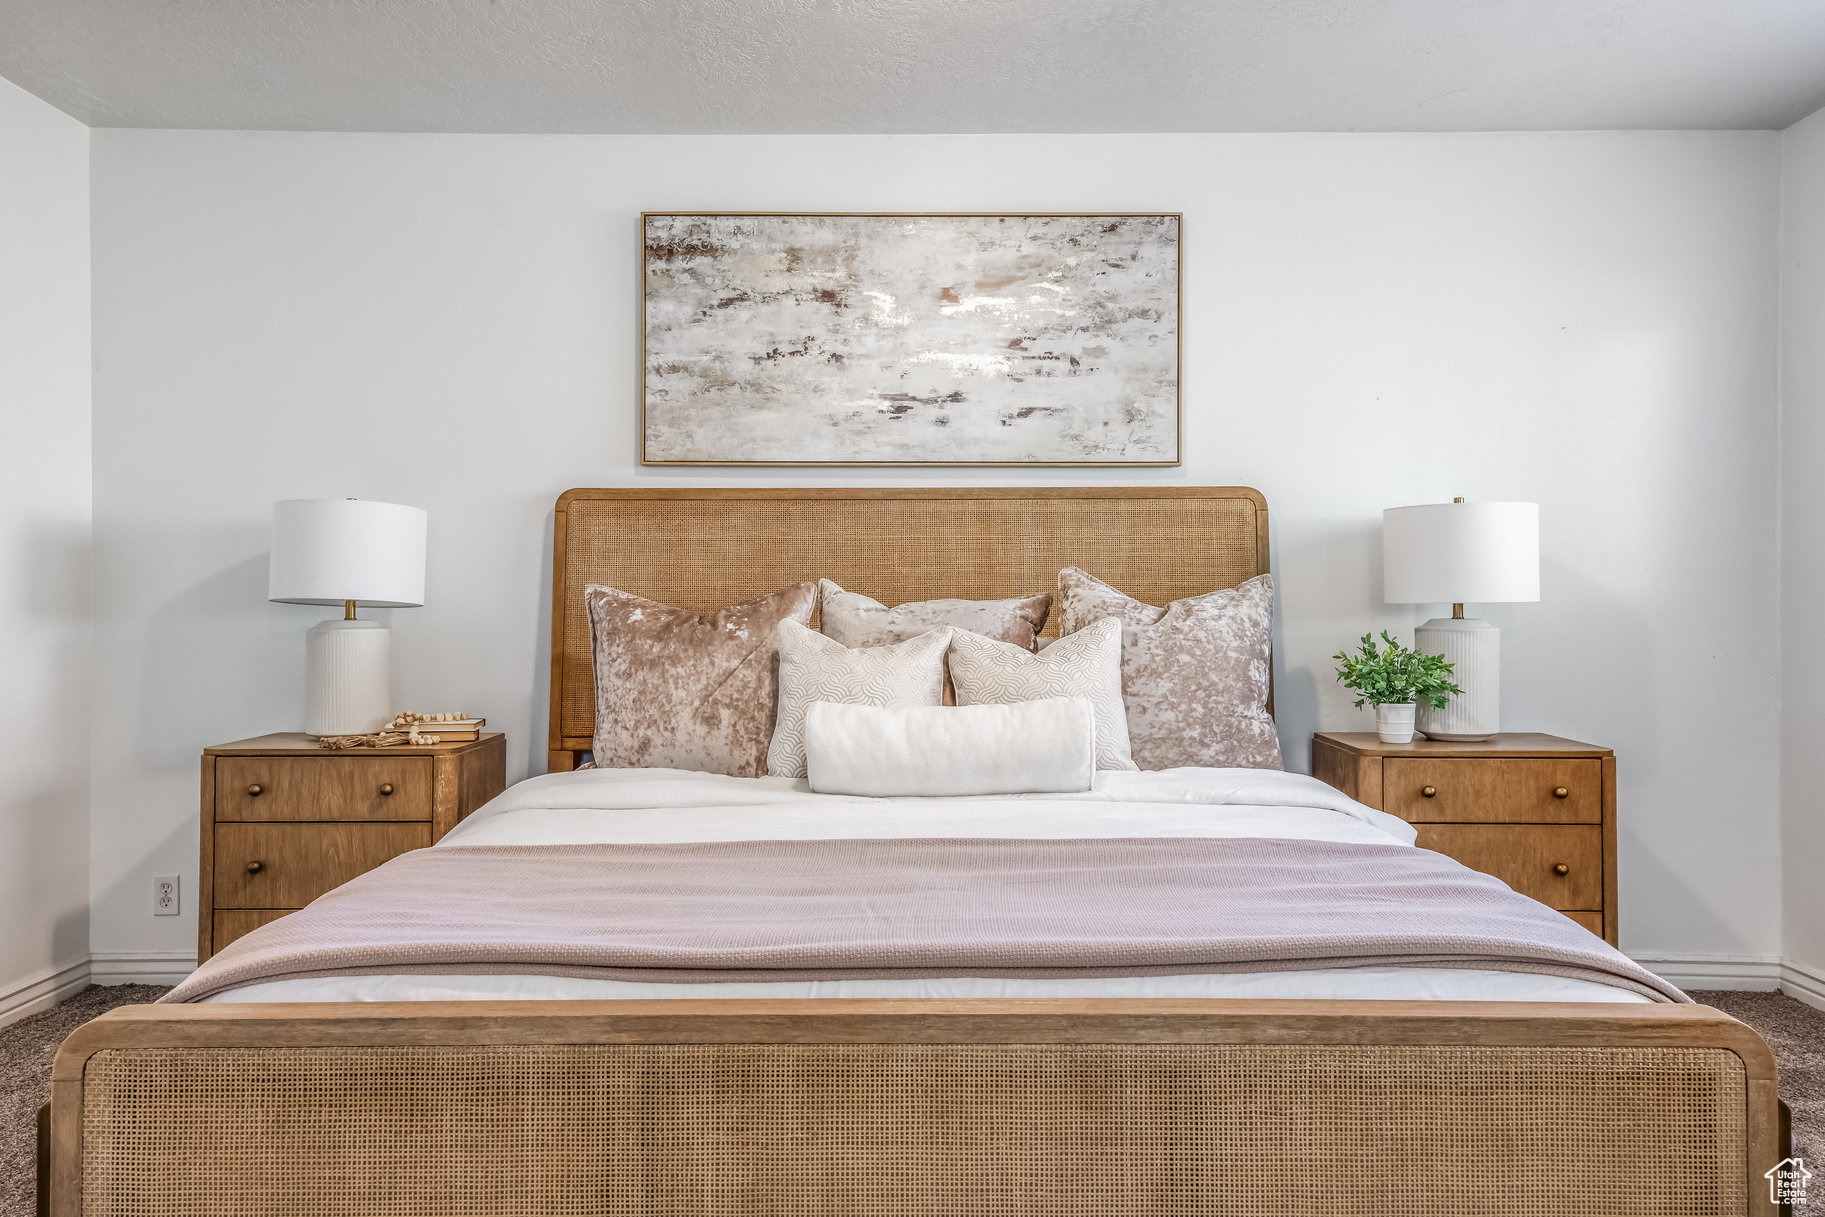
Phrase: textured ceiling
pixel 920 65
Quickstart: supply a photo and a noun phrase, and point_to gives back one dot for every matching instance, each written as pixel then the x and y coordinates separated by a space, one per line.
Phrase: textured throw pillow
pixel 815 668
pixel 1086 665
pixel 677 690
pixel 1194 674
pixel 856 620
pixel 1031 747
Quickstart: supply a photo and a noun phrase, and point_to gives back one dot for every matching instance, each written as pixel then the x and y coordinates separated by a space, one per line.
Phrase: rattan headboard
pixel 706 548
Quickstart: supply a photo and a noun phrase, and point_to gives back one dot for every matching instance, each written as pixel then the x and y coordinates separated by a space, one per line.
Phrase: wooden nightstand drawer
pixel 323 788
pixel 268 866
pixel 320 818
pixel 1590 921
pixel 231 924
pixel 1525 857
pixel 1493 791
pixel 1495 807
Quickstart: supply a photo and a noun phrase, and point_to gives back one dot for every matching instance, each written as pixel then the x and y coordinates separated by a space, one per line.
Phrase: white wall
pixel 44 551
pixel 451 321
pixel 1803 550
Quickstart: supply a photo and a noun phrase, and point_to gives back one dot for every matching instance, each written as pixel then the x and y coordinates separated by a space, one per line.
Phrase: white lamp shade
pixel 1460 553
pixel 327 551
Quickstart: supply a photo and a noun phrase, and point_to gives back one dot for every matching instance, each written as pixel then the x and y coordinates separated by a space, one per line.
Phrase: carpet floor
pixel 26 1050
pixel 1795 1031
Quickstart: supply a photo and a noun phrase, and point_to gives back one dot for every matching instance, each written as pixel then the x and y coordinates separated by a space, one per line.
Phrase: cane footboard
pixel 1057 1108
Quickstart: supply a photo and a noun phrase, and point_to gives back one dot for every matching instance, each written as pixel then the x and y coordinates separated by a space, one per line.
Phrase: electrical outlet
pixel 164 895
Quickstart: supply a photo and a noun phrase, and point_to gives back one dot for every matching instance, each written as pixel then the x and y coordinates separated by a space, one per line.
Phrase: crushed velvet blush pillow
pixel 1194 674
pixel 815 668
pixel 676 690
pixel 1088 664
pixel 856 620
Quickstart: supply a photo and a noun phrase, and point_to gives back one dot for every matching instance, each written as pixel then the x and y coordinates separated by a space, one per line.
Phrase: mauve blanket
pixel 798 910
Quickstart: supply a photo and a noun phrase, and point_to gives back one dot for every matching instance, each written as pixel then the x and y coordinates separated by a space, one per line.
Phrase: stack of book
pixel 445 728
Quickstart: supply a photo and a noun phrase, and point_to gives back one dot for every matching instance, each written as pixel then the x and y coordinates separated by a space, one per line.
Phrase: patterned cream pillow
pixel 815 668
pixel 1194 674
pixel 1088 664
pixel 676 690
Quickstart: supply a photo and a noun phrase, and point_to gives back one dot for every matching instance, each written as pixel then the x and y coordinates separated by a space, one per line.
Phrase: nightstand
pixel 285 821
pixel 1536 811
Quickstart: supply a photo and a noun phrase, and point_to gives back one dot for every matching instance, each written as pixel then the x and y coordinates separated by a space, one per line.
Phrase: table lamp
pixel 347 552
pixel 1457 553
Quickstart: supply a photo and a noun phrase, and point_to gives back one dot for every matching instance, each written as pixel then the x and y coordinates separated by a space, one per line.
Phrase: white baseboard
pixel 1804 983
pixel 42 990
pixel 140 967
pixel 1755 972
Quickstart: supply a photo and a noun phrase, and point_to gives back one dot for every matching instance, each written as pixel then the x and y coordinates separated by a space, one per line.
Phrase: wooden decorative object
pixel 374 739
pixel 408 727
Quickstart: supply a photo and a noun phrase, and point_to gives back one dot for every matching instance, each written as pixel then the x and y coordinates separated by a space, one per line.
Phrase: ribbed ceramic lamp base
pixel 1474 648
pixel 347 678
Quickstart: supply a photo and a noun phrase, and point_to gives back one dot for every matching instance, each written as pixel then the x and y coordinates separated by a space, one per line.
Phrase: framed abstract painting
pixel 910 339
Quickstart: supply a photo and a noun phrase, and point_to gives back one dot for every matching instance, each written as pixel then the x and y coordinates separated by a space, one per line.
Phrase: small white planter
pixel 1394 722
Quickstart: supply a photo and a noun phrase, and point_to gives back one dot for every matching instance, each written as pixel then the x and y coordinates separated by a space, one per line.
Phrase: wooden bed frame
pixel 1065 1107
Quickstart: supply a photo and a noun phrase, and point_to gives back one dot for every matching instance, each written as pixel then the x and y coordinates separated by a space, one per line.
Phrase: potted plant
pixel 1394 679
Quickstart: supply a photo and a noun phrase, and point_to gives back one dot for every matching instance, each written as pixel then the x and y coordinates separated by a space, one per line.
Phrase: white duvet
pixel 632 806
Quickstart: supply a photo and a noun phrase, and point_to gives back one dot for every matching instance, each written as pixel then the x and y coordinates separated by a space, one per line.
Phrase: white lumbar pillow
pixel 1086 664
pixel 815 668
pixel 1032 747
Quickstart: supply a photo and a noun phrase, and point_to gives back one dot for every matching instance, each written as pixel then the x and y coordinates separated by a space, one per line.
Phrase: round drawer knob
pixel 1428 792
pixel 386 788
pixel 1560 792
pixel 1560 868
pixel 254 868
pixel 253 791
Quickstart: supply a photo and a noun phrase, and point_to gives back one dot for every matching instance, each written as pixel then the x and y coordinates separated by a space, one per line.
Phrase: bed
pixel 1555 1083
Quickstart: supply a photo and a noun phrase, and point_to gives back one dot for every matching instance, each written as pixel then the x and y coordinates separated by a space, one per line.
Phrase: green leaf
pixel 1393 674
